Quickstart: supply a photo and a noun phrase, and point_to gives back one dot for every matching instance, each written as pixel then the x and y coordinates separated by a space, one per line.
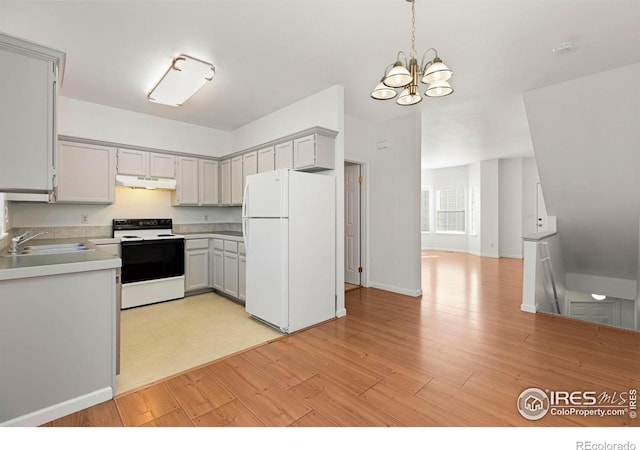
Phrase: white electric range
pixel 152 261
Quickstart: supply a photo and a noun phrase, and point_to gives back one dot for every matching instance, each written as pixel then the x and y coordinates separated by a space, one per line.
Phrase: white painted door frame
pixel 363 219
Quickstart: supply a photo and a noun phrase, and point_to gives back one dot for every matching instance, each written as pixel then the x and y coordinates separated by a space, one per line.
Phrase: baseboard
pixel 397 290
pixel 341 312
pixel 529 308
pixel 511 256
pixel 442 249
pixel 62 409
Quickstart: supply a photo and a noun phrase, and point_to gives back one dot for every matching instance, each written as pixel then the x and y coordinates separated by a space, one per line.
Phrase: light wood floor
pixel 459 356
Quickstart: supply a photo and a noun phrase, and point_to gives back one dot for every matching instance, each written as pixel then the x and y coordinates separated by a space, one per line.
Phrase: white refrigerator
pixel 289 225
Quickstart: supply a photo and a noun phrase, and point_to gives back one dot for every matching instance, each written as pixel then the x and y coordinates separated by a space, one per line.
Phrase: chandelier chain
pixel 413 29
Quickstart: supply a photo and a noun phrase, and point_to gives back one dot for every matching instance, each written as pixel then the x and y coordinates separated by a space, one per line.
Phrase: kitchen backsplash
pixel 105 231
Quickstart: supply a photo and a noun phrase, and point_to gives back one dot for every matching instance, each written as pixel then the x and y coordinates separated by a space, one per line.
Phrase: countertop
pixel 27 266
pixel 228 235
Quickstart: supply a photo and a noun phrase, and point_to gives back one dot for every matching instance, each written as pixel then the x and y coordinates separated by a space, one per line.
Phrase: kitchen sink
pixel 51 249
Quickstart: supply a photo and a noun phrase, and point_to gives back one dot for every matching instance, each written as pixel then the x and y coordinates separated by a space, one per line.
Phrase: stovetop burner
pixel 145 229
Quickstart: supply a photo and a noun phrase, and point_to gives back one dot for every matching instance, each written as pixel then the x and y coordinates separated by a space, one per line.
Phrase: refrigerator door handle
pixel 245 229
pixel 244 217
pixel 244 200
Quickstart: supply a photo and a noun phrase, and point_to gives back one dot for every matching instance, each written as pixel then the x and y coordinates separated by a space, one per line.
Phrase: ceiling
pixel 269 54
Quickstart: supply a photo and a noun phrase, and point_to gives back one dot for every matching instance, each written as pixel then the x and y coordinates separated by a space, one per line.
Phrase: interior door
pixel 541 211
pixel 352 224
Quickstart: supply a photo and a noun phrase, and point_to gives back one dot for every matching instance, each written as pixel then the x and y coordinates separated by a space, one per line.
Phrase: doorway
pixel 353 225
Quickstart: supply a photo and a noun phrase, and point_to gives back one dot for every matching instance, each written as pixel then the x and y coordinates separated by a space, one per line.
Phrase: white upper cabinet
pixel 145 164
pixel 208 182
pixel 236 180
pixel 86 173
pixel 187 182
pixel 133 162
pixel 284 155
pixel 28 93
pixel 266 159
pixel 225 182
pixel 162 166
pixel 249 167
pixel 314 152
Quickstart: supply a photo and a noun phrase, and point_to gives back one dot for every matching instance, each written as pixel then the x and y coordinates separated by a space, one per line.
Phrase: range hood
pixel 145 183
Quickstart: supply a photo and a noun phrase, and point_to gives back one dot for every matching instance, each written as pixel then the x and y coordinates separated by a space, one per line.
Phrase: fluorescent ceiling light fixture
pixel 598 296
pixel 184 77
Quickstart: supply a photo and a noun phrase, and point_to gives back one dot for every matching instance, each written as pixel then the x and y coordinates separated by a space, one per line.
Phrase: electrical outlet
pixel 84 218
pixel 206 217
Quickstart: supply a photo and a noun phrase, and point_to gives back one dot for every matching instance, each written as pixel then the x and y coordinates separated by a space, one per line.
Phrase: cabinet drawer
pixel 218 244
pixel 241 249
pixel 231 246
pixel 192 244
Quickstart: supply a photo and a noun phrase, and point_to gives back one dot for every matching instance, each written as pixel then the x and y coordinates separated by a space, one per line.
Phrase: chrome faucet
pixel 13 248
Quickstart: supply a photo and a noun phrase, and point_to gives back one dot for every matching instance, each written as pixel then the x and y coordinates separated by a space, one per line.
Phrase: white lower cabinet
pixel 242 272
pixel 228 259
pixel 217 265
pixel 196 264
pixel 231 268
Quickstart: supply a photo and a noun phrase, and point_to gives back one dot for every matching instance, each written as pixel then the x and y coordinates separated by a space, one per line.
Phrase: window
pixel 450 211
pixel 425 212
pixel 473 211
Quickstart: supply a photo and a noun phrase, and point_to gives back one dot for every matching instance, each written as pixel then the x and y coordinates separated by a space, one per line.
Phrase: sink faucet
pixel 13 248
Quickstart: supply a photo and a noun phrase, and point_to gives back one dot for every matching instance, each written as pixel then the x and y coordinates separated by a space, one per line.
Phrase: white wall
pixel 130 203
pixel 103 123
pixel 324 109
pixel 435 180
pixel 511 205
pixel 506 210
pixel 473 241
pixel 586 141
pixel 394 187
pixel 529 193
pixel 489 209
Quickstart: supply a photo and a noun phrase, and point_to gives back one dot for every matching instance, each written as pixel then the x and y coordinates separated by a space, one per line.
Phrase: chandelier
pixel 405 76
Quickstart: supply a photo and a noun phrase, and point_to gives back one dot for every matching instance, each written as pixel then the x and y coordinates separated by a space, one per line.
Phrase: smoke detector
pixel 562 49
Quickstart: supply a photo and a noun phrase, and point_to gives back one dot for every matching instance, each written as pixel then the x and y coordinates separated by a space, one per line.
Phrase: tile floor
pixel 164 339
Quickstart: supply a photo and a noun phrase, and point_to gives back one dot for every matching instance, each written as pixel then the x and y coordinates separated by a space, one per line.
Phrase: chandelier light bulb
pixel 439 89
pixel 383 92
pixel 398 76
pixel 437 71
pixel 407 98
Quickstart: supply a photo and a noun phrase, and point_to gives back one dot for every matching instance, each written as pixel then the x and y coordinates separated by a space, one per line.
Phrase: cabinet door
pixel 217 263
pixel 304 152
pixel 236 180
pixel 266 161
pixel 27 132
pixel 86 173
pixel 162 166
pixel 187 181
pixel 133 162
pixel 284 155
pixel 242 277
pixel 225 182
pixel 208 182
pixel 249 167
pixel 231 273
pixel 196 269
